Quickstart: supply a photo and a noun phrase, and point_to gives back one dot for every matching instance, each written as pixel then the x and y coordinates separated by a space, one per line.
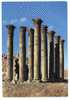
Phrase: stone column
pixel 51 55
pixel 62 59
pixel 15 70
pixel 22 53
pixel 57 57
pixel 31 54
pixel 44 60
pixel 10 51
pixel 37 49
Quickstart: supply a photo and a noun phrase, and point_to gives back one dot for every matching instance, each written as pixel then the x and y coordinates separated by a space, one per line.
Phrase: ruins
pixel 46 54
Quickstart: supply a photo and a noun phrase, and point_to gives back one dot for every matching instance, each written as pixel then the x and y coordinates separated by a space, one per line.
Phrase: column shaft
pixel 22 53
pixel 37 49
pixel 10 51
pixel 51 54
pixel 44 61
pixel 15 69
pixel 57 57
pixel 31 54
pixel 62 59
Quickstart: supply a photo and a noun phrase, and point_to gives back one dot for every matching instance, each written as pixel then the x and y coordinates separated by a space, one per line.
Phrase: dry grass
pixel 36 89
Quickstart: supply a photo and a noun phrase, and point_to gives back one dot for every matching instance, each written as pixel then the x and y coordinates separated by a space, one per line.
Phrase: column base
pixel 14 81
pixel 44 80
pixel 36 81
pixel 8 81
pixel 20 82
pixel 29 81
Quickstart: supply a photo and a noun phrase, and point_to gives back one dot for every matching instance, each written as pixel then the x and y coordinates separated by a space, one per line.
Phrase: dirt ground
pixel 33 89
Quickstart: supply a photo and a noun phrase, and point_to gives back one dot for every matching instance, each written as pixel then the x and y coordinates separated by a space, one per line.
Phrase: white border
pixel 0 51
pixel 69 48
pixel 30 0
pixel 33 98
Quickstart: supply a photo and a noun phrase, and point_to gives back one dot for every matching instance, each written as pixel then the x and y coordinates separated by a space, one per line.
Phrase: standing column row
pixel 59 58
pixel 46 60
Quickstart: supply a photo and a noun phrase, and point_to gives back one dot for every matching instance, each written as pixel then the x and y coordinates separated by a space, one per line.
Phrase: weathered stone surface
pixel 51 55
pixel 31 54
pixel 57 57
pixel 62 59
pixel 44 56
pixel 16 70
pixel 22 53
pixel 10 51
pixel 37 49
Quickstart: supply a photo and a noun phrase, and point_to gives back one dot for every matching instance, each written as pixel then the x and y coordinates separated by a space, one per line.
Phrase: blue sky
pixel 54 14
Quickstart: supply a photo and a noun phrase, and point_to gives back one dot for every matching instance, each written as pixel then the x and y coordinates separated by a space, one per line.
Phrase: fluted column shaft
pixel 31 54
pixel 51 54
pixel 22 53
pixel 62 59
pixel 37 49
pixel 10 51
pixel 57 57
pixel 44 60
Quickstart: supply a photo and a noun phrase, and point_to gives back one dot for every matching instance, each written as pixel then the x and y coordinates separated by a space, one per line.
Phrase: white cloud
pixel 50 28
pixel 13 21
pixel 23 19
